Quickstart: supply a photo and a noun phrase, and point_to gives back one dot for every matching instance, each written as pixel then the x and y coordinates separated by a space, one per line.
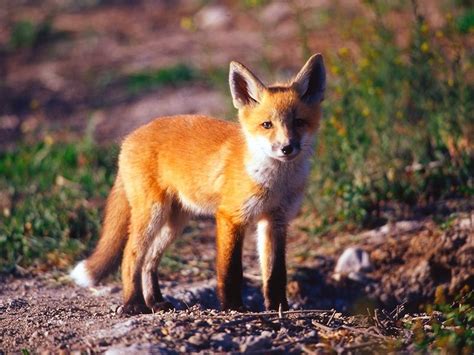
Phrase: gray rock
pixel 275 12
pixel 379 235
pixel 213 17
pixel 139 349
pixel 197 339
pixel 18 303
pixel 257 342
pixel 223 340
pixel 352 263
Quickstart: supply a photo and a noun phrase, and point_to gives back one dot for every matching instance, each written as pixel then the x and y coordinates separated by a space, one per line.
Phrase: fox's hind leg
pixel 171 229
pixel 147 217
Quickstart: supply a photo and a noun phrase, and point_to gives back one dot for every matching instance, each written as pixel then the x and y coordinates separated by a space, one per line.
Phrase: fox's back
pixel 187 155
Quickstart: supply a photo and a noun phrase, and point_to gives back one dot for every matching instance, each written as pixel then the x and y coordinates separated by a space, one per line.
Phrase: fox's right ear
pixel 245 87
pixel 311 80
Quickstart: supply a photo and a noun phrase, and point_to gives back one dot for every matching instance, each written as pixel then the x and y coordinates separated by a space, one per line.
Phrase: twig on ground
pixel 363 331
pixel 323 327
pixel 248 317
pixel 307 350
pixel 361 345
pixel 332 317
pixel 275 313
pixel 420 318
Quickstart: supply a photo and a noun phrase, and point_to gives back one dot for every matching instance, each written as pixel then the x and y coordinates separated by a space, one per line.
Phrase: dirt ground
pixel 362 311
pixel 72 83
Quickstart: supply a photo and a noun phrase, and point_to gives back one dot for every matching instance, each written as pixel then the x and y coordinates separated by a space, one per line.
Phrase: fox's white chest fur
pixel 282 183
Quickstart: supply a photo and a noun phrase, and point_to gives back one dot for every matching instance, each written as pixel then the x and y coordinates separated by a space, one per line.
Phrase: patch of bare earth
pixel 409 260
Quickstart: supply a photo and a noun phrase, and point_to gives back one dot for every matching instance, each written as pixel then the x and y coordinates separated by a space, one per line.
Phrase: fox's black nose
pixel 287 150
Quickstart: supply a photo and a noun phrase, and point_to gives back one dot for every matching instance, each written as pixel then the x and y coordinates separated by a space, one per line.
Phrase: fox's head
pixel 280 121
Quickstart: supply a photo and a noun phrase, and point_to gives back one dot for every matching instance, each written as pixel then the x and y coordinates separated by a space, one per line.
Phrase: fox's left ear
pixel 311 80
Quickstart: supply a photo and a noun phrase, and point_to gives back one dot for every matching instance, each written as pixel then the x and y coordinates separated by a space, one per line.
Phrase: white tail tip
pixel 81 276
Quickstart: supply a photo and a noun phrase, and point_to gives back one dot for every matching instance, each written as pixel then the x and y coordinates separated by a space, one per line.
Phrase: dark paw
pixel 237 306
pixel 130 309
pixel 275 306
pixel 162 307
pixel 242 309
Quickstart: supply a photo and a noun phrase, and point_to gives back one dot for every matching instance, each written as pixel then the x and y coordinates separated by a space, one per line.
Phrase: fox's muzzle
pixel 287 150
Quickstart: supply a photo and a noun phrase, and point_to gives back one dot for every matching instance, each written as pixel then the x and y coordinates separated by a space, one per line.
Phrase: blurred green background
pixel 76 76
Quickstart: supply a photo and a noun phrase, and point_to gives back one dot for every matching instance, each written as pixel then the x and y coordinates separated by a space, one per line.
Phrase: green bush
pixel 450 328
pixel 465 21
pixel 27 34
pixel 396 125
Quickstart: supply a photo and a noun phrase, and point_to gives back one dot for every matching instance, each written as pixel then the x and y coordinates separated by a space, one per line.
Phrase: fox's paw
pixel 130 309
pixel 276 306
pixel 162 306
pixel 242 309
pixel 239 307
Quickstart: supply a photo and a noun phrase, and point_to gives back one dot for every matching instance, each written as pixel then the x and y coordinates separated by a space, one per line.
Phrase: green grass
pixel 397 124
pixel 465 22
pixel 451 327
pixel 26 34
pixel 52 197
pixel 51 200
pixel 166 76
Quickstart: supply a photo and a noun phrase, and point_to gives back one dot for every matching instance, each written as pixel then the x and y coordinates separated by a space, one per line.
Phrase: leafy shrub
pixel 396 125
pixel 451 327
pixel 465 22
pixel 27 34
pixel 23 34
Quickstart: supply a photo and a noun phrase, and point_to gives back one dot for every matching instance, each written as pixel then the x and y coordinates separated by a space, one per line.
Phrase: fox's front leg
pixel 229 261
pixel 271 234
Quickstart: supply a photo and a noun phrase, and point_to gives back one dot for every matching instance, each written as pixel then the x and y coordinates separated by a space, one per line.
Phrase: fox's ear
pixel 311 80
pixel 245 87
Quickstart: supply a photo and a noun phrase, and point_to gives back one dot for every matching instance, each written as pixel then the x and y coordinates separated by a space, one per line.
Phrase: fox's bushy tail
pixel 114 235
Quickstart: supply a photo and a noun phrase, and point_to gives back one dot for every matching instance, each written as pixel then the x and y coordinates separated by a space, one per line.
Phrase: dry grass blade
pixel 361 345
pixel 332 317
pixel 364 331
pixel 323 327
pixel 276 313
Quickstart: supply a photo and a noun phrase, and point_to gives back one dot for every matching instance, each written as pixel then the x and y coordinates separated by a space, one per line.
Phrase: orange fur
pixel 245 174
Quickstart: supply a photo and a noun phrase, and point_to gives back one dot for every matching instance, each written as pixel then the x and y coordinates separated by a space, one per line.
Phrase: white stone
pixel 352 262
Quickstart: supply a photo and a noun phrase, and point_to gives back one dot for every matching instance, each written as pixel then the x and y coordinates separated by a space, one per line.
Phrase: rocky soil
pixel 386 275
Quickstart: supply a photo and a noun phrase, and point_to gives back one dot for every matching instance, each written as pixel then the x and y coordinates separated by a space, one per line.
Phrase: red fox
pixel 251 176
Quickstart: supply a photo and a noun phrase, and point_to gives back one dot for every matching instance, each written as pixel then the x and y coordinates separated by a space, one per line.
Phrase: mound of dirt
pixel 410 261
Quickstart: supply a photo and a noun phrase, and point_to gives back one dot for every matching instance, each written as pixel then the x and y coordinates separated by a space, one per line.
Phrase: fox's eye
pixel 299 122
pixel 267 125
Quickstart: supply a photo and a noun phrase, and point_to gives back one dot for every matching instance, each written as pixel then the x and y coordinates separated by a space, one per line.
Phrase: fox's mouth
pixel 287 158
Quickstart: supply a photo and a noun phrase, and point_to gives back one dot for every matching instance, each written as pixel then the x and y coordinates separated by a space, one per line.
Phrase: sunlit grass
pixel 396 125
pixel 51 197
